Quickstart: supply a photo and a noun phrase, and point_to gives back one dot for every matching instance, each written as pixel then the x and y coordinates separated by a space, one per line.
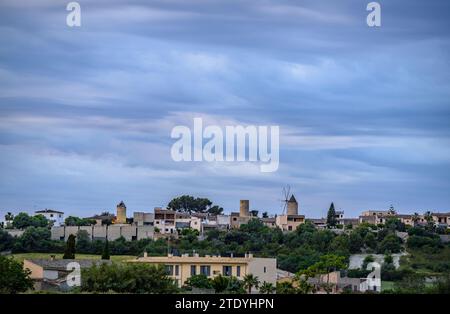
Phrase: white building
pixel 55 216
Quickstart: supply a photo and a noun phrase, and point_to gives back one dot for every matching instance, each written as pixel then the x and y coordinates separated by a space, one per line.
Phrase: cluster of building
pixel 51 273
pixel 163 222
pixel 166 222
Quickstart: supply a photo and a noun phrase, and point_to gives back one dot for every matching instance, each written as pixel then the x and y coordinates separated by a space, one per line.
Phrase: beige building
pixel 182 267
pixel 121 213
pixel 243 217
pixel 291 220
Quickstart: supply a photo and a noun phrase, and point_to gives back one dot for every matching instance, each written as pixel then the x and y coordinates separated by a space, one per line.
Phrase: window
pixel 177 270
pixel 51 215
pixel 193 270
pixel 265 269
pixel 238 271
pixel 205 270
pixel 227 270
pixel 169 270
pixel 290 228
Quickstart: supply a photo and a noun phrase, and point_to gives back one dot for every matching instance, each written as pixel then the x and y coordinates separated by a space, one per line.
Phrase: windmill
pixel 286 196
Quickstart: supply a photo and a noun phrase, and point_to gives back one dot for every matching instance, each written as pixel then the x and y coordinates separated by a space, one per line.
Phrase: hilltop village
pixel 199 247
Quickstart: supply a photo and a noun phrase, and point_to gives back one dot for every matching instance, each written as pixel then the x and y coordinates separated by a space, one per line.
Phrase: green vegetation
pixel 250 281
pixel 69 252
pixel 105 253
pixel 127 278
pixel 13 278
pixel 76 221
pixel 187 203
pixel 23 220
pixel 331 217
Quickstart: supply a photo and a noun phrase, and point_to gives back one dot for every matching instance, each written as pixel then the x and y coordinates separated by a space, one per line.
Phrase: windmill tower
pixel 292 206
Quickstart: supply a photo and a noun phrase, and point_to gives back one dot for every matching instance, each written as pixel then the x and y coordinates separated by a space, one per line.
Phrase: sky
pixel 86 112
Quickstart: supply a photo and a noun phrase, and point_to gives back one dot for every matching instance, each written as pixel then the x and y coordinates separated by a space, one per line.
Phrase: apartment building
pixel 181 268
pixel 54 216
pixel 376 216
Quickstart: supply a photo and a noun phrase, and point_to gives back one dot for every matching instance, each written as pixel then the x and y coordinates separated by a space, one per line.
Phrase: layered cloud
pixel 86 114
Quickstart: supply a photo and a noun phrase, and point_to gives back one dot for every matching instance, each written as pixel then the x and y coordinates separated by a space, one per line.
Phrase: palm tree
pixel 267 288
pixel 250 281
pixel 415 218
pixel 428 217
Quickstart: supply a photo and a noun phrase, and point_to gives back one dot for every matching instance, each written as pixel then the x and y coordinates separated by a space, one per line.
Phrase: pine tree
pixel 105 252
pixel 331 217
pixel 69 252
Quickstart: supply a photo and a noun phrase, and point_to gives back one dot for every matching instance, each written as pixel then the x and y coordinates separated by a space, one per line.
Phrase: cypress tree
pixel 105 252
pixel 331 216
pixel 69 252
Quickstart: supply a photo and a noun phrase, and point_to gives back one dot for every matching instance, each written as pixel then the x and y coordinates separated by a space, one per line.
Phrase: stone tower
pixel 292 206
pixel 121 213
pixel 244 208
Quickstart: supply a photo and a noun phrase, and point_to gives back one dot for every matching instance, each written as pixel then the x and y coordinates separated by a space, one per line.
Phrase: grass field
pixel 115 258
pixel 387 285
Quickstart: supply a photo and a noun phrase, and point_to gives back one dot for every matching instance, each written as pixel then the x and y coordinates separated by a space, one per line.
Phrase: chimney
pixel 145 254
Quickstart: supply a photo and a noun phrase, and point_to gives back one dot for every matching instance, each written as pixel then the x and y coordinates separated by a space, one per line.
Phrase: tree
pixel 187 203
pixel 69 252
pixel 391 210
pixel 267 288
pixel 127 278
pixel 14 278
pixel 331 217
pixel 105 252
pixel 215 210
pixel 23 220
pixel 356 242
pixel 235 286
pixel 6 241
pixel 265 215
pixel 367 260
pixel 83 243
pixel 250 281
pixel 390 244
pixel 428 216
pixel 77 221
pixel 327 264
pixel 285 288
pixel 370 241
pixel 9 217
pixel 200 281
pixel 415 219
pixel 220 283
pixel 34 240
pixel 40 221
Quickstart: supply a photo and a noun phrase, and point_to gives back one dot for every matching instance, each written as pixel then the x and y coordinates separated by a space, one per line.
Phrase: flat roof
pixel 195 259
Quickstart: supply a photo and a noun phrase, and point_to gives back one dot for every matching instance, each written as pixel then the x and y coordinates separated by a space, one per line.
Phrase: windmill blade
pixel 284 208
